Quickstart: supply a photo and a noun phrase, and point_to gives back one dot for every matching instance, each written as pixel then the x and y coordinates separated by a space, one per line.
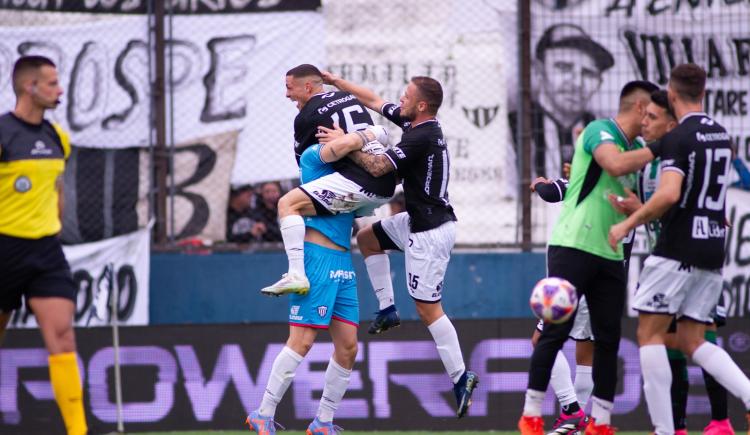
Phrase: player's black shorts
pixel 33 268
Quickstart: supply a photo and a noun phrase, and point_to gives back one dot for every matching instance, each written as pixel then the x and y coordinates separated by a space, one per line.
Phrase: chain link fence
pixel 177 110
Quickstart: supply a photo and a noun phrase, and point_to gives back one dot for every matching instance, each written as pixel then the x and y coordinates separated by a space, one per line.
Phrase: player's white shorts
pixel 335 193
pixel 668 286
pixel 581 330
pixel 426 254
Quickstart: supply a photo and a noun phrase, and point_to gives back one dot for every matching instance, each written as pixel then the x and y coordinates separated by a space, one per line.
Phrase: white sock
pixel 601 410
pixel 379 271
pixel 720 365
pixel 293 233
pixel 657 381
pixel 282 373
pixel 584 384
pixel 337 380
pixel 532 406
pixel 560 381
pixel 446 339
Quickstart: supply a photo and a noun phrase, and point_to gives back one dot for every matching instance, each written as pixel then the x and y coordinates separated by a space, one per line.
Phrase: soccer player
pixel 330 304
pixel 426 231
pixel 683 275
pixel 32 264
pixel 578 251
pixel 348 188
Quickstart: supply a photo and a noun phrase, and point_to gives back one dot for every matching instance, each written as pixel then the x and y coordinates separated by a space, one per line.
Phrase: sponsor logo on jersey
pixel 711 137
pixel 336 102
pixel 703 228
pixel 40 149
pixel 22 184
pixel 400 154
pixel 392 109
pixel 328 95
pixel 326 196
pixel 322 110
pixel 322 310
pixel 657 301
pixel 294 313
pixel 605 136
pixel 341 274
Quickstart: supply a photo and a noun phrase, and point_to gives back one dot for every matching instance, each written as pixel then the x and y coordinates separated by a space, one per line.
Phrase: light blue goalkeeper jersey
pixel 338 228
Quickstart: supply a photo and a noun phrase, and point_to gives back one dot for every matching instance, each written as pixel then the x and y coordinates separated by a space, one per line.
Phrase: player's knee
pixel 367 242
pixel 286 204
pixel 63 340
pixel 348 352
pixel 688 345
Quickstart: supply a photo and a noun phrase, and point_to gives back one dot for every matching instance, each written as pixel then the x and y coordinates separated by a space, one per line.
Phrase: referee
pixel 32 263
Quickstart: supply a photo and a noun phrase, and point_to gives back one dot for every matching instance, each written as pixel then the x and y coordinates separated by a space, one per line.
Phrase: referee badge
pixel 22 184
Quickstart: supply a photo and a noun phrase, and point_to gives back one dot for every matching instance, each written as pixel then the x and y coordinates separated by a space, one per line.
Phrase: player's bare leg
pixel 292 206
pixel 284 367
pixel 338 373
pixel 379 271
pixel 55 318
pixel 449 349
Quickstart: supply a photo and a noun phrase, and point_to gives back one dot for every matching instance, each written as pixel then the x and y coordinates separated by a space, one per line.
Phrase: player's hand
pixel 625 205
pixel 326 134
pixel 617 232
pixel 566 171
pixel 537 181
pixel 328 77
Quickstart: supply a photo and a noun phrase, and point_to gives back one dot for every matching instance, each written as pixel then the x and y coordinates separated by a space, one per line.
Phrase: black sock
pixel 717 395
pixel 679 390
pixel 570 408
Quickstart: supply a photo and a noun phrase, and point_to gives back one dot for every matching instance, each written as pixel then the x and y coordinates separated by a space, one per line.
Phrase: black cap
pixel 569 35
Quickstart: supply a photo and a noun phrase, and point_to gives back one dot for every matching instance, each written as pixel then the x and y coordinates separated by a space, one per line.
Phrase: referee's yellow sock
pixel 66 383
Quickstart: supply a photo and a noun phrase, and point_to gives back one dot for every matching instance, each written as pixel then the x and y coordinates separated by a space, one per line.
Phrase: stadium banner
pixel 192 377
pixel 227 74
pixel 120 264
pixel 175 6
pixel 473 74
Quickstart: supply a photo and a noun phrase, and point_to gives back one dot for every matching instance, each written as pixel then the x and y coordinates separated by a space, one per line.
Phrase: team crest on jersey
pixel 22 184
pixel 481 116
pixel 322 310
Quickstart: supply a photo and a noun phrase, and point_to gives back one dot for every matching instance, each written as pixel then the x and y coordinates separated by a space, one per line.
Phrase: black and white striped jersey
pixel 693 230
pixel 347 112
pixel 421 160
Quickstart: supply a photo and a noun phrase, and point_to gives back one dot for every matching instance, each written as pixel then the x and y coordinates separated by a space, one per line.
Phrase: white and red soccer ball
pixel 553 300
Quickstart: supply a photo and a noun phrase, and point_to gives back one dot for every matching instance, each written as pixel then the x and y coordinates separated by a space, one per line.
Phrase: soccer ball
pixel 553 300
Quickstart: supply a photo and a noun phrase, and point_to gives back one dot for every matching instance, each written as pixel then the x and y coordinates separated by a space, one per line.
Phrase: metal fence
pixel 177 109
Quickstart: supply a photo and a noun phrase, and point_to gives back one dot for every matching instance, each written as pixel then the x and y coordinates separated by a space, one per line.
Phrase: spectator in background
pixel 242 227
pixel 265 213
pixel 568 70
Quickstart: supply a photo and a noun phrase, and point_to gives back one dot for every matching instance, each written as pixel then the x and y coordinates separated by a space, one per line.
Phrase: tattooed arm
pixel 376 164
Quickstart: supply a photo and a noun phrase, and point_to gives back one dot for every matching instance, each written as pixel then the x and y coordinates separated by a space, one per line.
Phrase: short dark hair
pixel 661 99
pixel 26 64
pixel 688 80
pixel 430 92
pixel 638 85
pixel 304 70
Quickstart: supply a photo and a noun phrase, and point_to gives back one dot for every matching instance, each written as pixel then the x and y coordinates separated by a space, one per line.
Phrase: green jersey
pixel 587 214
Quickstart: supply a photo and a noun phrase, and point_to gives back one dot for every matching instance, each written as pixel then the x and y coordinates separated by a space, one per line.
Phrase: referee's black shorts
pixel 33 268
